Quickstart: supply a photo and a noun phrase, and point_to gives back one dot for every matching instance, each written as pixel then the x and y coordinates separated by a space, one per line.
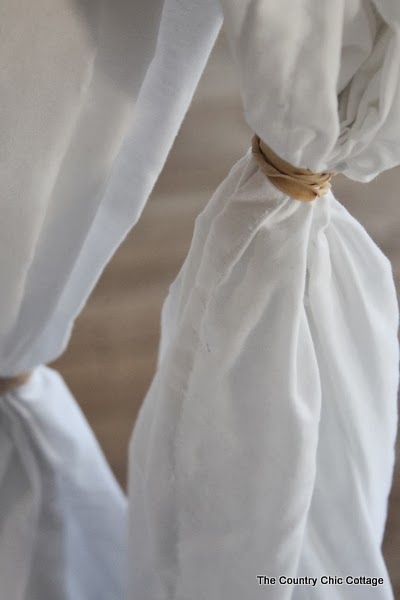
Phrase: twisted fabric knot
pixel 301 184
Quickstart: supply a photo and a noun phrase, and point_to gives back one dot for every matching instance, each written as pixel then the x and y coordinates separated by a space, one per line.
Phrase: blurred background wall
pixel 111 358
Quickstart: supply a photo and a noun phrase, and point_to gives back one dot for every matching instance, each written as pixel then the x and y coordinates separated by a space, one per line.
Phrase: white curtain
pixel 265 444
pixel 83 140
pixel 287 311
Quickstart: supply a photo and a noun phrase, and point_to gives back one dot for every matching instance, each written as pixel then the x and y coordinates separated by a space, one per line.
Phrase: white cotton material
pixel 87 120
pixel 99 117
pixel 320 80
pixel 265 443
pixel 62 514
pixel 278 360
pixel 97 96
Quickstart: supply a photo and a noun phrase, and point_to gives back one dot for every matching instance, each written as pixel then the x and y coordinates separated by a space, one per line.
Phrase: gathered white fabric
pixel 79 104
pixel 84 143
pixel 272 413
pixel 62 515
pixel 320 80
pixel 98 95
pixel 265 444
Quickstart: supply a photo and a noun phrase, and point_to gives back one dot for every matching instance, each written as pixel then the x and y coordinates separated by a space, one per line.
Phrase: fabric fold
pixel 260 415
pixel 62 514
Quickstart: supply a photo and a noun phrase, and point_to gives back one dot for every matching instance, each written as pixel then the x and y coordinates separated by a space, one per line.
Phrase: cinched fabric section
pixel 301 184
pixel 266 439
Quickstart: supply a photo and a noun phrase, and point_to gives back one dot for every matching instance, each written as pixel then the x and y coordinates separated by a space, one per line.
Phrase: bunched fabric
pixel 272 413
pixel 62 514
pixel 77 98
pixel 265 444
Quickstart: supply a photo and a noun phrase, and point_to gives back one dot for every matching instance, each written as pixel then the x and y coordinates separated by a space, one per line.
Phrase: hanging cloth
pixel 93 95
pixel 82 84
pixel 265 443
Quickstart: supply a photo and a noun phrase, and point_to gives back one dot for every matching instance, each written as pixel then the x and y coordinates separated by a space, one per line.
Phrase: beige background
pixel 111 358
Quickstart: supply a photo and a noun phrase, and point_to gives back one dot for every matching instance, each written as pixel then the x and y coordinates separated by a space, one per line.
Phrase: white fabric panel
pixel 73 183
pixel 83 187
pixel 88 119
pixel 265 444
pixel 260 353
pixel 100 91
pixel 62 515
pixel 320 80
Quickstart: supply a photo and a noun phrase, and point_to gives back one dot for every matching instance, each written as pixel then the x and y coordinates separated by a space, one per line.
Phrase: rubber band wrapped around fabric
pixel 301 184
pixel 257 426
pixel 265 444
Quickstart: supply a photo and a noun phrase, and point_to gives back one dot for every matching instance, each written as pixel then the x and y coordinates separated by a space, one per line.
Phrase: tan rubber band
pixel 301 184
pixel 8 384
